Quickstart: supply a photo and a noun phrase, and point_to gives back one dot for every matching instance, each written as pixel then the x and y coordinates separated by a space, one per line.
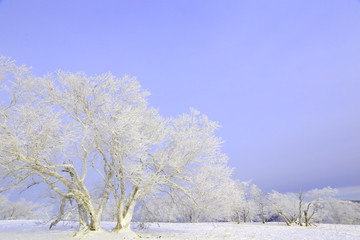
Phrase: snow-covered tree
pixel 338 211
pixel 303 207
pixel 261 202
pixel 188 144
pixel 159 207
pixel 207 197
pixel 21 209
pixel 313 201
pixel 285 205
pixel 210 194
pixel 244 206
pixel 49 129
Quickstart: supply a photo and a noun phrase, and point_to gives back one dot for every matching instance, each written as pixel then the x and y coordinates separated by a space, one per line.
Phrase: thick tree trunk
pixel 86 206
pixel 124 218
pixel 94 222
pixel 95 216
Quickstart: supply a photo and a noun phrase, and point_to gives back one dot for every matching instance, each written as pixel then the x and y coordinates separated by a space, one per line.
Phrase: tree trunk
pixel 238 217
pixel 306 218
pixel 95 215
pixel 83 217
pixel 87 207
pixel 94 222
pixel 61 213
pixel 288 223
pixel 262 215
pixel 124 218
pixel 301 198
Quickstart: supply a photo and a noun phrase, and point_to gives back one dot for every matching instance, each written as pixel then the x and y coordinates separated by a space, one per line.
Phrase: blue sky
pixel 281 77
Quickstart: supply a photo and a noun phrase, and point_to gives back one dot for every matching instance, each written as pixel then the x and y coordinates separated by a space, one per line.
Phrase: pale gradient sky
pixel 282 77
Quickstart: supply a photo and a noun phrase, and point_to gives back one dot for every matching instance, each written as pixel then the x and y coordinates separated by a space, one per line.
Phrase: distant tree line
pixel 247 203
pixel 244 203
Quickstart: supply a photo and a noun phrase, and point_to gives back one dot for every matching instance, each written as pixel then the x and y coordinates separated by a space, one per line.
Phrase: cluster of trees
pixel 245 202
pixel 94 139
pixel 104 154
pixel 22 209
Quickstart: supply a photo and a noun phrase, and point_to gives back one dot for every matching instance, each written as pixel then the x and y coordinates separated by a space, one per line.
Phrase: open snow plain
pixel 35 230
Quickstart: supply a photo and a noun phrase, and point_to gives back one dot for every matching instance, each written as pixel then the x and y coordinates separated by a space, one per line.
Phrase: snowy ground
pixel 35 230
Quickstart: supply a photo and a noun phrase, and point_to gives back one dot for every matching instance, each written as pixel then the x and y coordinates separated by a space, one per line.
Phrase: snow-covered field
pixel 35 230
